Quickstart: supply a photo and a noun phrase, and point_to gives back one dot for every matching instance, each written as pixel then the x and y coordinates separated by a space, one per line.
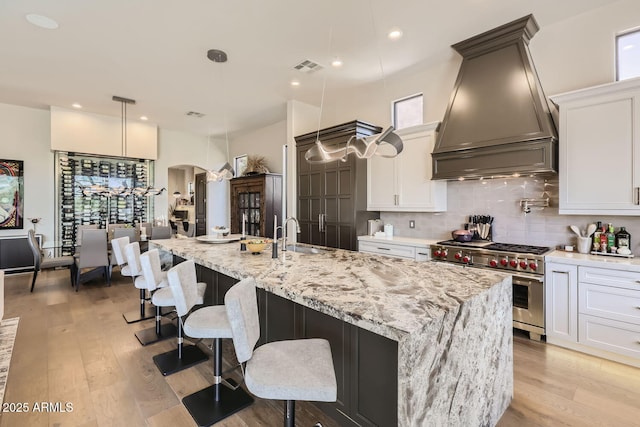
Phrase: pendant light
pixel 226 172
pixel 360 147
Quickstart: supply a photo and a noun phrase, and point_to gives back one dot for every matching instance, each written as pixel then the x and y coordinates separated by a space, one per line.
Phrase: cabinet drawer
pixel 610 302
pixel 423 254
pixel 607 277
pixel 382 248
pixel 611 335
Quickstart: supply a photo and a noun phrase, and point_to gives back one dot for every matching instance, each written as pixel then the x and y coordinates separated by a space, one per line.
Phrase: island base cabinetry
pixel 594 310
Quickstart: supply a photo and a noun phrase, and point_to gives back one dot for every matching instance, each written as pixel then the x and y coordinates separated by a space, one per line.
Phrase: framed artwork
pixel 239 165
pixel 11 194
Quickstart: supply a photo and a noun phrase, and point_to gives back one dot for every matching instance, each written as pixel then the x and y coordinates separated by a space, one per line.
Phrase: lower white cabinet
pixel 396 250
pixel 594 310
pixel 561 302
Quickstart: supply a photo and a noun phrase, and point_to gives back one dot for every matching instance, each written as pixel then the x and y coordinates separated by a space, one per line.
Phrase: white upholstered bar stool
pixel 156 284
pixel 184 356
pixel 134 269
pixel 284 370
pixel 216 402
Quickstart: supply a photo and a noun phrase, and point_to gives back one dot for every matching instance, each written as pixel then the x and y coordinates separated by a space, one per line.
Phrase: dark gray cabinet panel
pixel 332 197
pixel 375 381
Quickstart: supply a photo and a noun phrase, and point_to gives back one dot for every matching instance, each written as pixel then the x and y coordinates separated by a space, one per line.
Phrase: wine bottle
pixel 623 239
pixel 596 236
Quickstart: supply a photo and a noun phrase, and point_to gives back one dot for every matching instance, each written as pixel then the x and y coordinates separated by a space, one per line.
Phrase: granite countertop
pixel 391 297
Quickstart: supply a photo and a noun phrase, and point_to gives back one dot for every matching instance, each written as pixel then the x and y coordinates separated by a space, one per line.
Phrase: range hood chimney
pixel 498 121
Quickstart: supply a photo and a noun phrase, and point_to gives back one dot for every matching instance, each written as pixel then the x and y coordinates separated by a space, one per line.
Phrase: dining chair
pixel 130 232
pixel 160 232
pixel 81 228
pixel 41 263
pixel 93 254
pixel 287 370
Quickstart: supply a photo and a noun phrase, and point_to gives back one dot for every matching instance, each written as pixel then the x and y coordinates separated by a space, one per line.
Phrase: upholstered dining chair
pixel 130 232
pixel 184 356
pixel 216 402
pixel 160 232
pixel 155 281
pixel 81 228
pixel 40 263
pixel 93 254
pixel 283 370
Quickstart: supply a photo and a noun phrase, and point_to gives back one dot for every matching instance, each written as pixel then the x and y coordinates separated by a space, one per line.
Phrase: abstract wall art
pixel 11 194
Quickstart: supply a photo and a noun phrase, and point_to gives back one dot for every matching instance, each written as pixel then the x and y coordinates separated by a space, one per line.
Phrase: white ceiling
pixel 154 51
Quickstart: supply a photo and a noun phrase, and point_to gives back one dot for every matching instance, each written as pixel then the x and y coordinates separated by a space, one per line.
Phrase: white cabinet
pixel 403 183
pixel 599 149
pixel 394 249
pixel 594 310
pixel 561 302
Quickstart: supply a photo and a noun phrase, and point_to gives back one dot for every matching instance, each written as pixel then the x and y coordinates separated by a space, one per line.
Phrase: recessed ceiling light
pixel 394 34
pixel 144 118
pixel 337 62
pixel 295 83
pixel 42 21
pixel 76 105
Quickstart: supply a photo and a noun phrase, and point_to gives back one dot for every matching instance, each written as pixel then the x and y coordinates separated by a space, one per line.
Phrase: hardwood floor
pixel 76 348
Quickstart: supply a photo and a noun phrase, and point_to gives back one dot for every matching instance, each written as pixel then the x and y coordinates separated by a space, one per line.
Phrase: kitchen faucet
pixel 284 230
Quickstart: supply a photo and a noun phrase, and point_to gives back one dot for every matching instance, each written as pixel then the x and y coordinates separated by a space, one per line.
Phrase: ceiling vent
pixel 195 114
pixel 308 66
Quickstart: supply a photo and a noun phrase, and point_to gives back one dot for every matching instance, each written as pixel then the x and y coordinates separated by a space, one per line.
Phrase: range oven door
pixel 528 304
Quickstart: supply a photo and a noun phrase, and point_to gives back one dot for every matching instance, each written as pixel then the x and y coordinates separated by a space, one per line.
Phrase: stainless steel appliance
pixel 525 262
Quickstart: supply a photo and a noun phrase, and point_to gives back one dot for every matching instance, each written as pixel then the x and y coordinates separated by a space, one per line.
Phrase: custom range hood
pixel 498 121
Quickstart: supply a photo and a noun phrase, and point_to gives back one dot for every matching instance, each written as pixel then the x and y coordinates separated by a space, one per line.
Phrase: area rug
pixel 8 330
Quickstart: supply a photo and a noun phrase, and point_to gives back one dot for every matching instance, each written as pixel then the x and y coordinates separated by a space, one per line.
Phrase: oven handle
pixel 519 279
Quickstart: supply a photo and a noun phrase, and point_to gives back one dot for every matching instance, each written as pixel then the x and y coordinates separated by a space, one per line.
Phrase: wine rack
pixel 98 190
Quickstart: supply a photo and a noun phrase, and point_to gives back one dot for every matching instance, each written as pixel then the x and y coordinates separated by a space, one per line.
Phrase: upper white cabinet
pixel 403 183
pixel 98 134
pixel 599 149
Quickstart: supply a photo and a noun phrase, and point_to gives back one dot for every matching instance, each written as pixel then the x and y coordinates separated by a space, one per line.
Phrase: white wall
pixel 180 148
pixel 266 141
pixel 25 135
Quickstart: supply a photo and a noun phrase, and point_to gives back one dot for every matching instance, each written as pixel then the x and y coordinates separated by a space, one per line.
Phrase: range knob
pixel 466 259
pixel 443 253
pixel 533 265
pixel 436 253
pixel 513 263
pixel 504 262
pixel 523 265
pixel 458 256
pixel 493 263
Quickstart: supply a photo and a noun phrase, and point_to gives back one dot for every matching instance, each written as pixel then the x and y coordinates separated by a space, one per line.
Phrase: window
pixel 407 111
pixel 628 55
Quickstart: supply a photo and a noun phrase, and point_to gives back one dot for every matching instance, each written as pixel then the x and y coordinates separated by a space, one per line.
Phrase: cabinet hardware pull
pixel 637 198
pixel 384 249
pixel 422 253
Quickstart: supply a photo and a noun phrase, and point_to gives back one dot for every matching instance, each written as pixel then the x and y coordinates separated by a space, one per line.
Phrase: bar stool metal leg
pixel 137 316
pixel 216 402
pixel 161 331
pixel 181 358
pixel 290 413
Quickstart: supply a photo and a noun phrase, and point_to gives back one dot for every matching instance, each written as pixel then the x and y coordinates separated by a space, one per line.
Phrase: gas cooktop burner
pixel 503 247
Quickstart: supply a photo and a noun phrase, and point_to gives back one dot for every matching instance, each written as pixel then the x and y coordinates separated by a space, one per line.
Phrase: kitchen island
pixel 447 328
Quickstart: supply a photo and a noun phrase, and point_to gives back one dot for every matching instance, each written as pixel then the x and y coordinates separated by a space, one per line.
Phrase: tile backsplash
pixel 500 198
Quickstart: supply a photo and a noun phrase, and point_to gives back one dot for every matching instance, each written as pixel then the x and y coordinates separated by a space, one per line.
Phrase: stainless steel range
pixel 526 263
